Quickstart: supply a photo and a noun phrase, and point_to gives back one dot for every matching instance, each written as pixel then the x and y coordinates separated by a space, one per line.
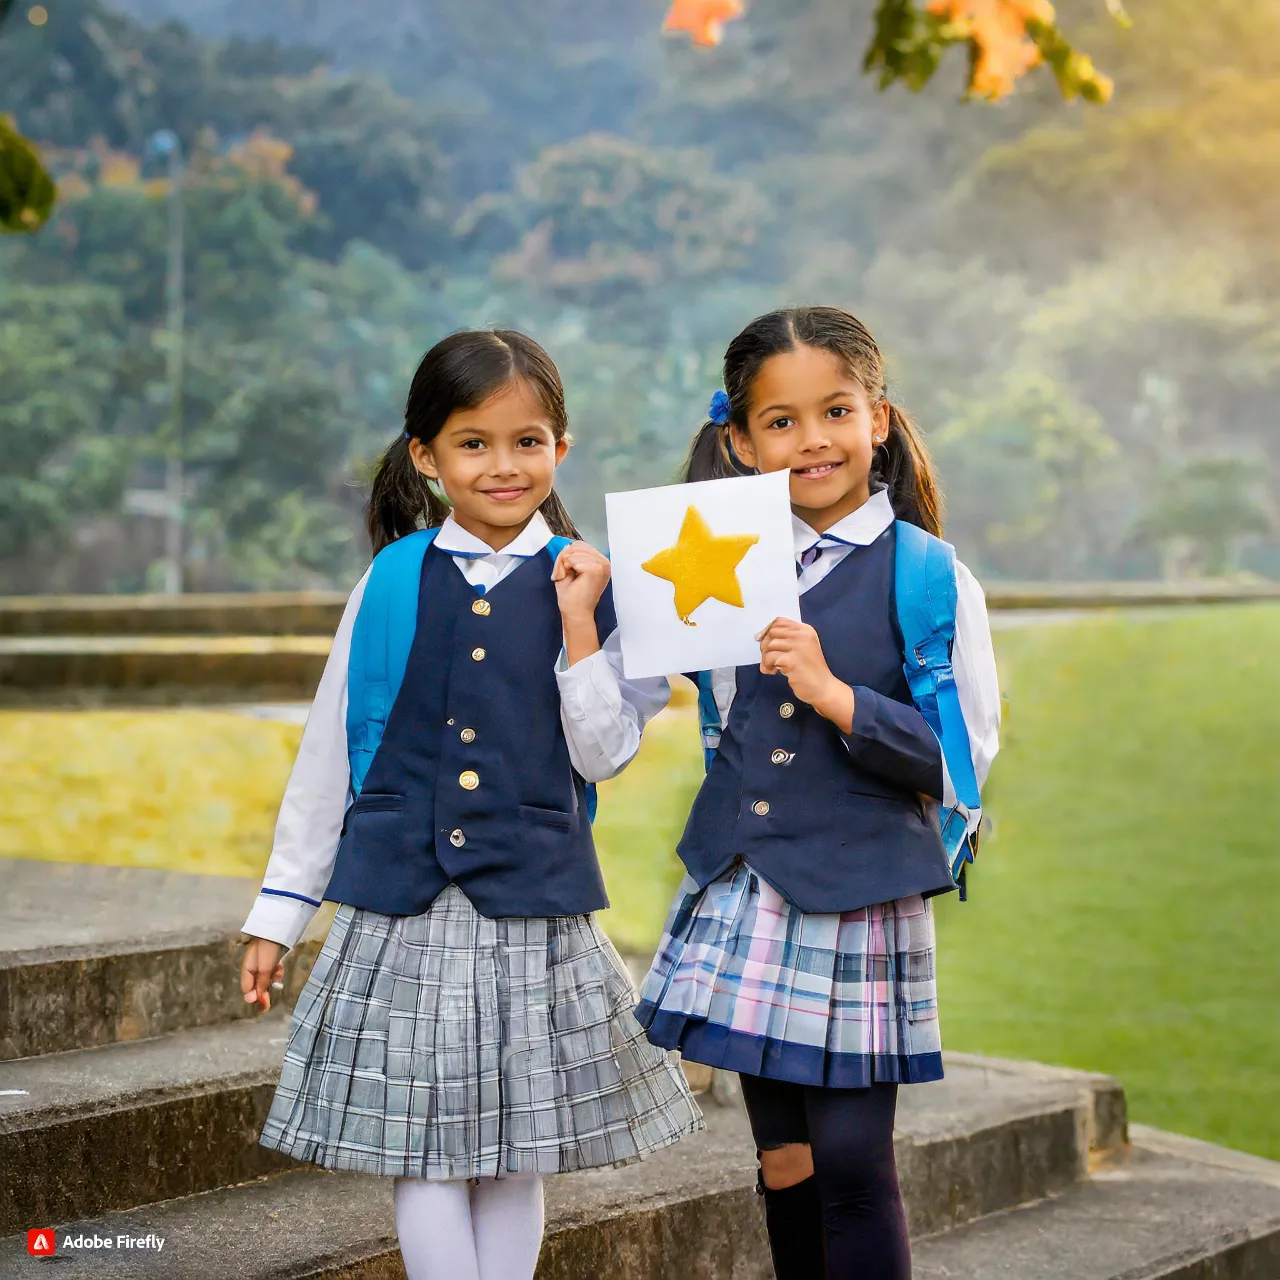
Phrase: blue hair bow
pixel 719 411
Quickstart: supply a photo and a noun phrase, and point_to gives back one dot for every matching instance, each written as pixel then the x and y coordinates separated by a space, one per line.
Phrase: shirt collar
pixel 859 528
pixel 454 539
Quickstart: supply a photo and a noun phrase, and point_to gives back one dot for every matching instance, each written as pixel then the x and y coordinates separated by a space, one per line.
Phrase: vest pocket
pixel 374 826
pixel 556 818
pixel 377 803
pixel 854 795
pixel 879 807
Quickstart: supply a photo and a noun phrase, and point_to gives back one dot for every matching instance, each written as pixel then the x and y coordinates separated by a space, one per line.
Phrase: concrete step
pixel 129 1124
pixel 98 955
pixel 1168 1214
pixel 160 670
pixel 237 613
pixel 687 1211
pixel 289 613
pixel 96 671
pixel 690 1212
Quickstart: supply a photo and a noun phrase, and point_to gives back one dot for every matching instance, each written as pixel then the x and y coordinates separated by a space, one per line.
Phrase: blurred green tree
pixel 602 221
pixel 65 382
pixel 1200 513
pixel 369 156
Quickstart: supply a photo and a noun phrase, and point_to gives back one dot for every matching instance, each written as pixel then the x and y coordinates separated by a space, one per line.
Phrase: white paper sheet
pixel 645 523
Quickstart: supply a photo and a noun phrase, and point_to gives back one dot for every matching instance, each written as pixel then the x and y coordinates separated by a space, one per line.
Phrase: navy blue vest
pixel 833 821
pixel 472 782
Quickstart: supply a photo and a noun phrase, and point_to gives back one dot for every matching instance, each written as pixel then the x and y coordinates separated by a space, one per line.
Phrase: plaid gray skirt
pixel 448 1045
pixel 747 982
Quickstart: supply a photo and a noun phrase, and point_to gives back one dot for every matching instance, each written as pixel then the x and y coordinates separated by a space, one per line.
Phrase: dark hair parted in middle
pixel 902 464
pixel 461 371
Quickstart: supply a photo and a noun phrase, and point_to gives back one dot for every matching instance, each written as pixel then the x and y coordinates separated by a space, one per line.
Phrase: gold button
pixel 456 838
pixel 477 655
pixel 468 735
pixel 779 757
pixel 468 780
pixel 787 710
pixel 482 607
pixel 760 808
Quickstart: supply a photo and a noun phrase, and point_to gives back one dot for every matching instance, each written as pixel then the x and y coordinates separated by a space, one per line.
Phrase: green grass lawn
pixel 1125 914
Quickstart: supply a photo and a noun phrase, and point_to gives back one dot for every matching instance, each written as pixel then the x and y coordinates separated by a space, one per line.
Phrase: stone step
pixel 1168 1214
pixel 239 613
pixel 98 955
pixel 289 613
pixel 159 670
pixel 687 1211
pixel 98 671
pixel 128 1124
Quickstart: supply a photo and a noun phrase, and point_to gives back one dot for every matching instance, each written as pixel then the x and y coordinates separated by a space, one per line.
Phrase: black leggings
pixel 852 1202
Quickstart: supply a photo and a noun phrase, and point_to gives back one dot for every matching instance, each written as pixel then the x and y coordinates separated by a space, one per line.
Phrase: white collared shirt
pixel 603 716
pixel 973 657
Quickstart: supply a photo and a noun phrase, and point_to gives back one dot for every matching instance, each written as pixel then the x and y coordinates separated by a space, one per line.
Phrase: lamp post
pixel 167 145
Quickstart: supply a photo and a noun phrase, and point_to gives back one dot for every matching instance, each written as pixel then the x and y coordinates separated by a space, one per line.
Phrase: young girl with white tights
pixel 467 1027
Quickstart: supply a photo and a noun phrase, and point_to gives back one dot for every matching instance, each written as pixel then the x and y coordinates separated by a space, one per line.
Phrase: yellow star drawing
pixel 702 566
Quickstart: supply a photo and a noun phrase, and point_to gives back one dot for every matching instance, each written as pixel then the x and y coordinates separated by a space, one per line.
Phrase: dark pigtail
pixel 557 516
pixel 401 501
pixel 903 464
pixel 711 456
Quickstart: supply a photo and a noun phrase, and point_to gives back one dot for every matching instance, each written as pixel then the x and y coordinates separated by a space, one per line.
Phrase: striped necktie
pixel 807 558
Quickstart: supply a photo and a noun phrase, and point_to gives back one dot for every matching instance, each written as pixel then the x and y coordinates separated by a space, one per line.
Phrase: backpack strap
pixel 925 591
pixel 380 642
pixel 556 546
pixel 708 716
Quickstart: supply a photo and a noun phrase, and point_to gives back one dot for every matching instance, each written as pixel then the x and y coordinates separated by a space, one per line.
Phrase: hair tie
pixel 719 411
pixel 408 435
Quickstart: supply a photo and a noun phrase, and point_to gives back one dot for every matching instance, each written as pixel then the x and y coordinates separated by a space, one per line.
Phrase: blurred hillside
pixel 1082 304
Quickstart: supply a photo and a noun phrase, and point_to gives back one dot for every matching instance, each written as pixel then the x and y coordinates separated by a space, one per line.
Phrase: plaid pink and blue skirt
pixel 747 982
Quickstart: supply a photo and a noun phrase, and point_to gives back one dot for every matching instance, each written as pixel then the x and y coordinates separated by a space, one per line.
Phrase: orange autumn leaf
pixel 998 30
pixel 702 20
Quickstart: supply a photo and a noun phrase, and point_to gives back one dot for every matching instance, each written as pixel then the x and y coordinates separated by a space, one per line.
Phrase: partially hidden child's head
pixel 805 392
pixel 484 430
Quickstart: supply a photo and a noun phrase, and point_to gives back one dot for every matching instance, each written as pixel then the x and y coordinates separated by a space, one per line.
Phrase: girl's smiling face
pixel 809 415
pixel 496 463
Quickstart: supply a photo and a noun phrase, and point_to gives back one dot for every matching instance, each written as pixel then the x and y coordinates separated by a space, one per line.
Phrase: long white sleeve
pixel 974 662
pixel 315 800
pixel 603 714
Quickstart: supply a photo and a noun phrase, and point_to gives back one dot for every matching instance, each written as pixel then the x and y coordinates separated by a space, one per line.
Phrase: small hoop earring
pixel 882 447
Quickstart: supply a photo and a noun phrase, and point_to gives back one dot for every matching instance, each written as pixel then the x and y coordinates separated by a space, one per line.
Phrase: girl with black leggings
pixel 800 949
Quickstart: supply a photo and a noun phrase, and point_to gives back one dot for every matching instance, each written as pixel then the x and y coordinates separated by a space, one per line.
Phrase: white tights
pixel 456 1231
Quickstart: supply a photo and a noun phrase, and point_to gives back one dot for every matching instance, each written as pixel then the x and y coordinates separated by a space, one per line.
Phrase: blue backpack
pixel 925 587
pixel 380 642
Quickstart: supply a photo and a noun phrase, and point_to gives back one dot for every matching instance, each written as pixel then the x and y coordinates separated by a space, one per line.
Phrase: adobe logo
pixel 41 1242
